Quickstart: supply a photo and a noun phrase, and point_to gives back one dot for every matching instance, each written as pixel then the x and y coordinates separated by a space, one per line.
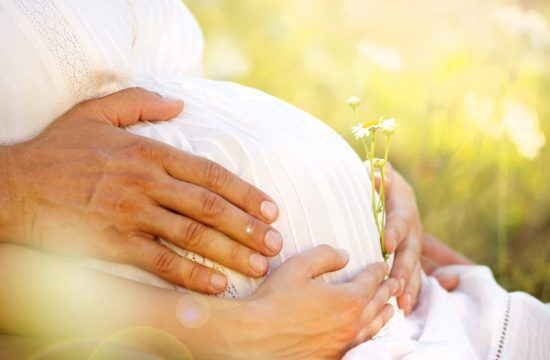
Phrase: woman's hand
pixel 304 318
pixel 292 315
pixel 436 254
pixel 85 187
pixel 413 249
pixel 403 236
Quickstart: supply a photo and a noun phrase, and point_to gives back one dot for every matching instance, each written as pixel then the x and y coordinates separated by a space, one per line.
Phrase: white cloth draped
pixel 56 53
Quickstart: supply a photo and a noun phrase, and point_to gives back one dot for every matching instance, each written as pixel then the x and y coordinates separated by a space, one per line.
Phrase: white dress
pixel 57 53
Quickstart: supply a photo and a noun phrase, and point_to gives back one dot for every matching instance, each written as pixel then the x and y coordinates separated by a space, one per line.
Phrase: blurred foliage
pixel 468 80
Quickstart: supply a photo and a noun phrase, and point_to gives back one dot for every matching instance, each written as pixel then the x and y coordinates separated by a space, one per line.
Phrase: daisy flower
pixel 361 130
pixel 388 126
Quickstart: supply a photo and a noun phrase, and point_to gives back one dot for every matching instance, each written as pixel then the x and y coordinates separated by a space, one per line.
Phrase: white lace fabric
pixel 62 43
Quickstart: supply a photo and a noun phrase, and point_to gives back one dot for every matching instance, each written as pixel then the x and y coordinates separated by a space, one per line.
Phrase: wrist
pixel 209 327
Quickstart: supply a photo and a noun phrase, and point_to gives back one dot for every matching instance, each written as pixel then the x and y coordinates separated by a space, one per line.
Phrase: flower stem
pixel 502 234
pixel 375 204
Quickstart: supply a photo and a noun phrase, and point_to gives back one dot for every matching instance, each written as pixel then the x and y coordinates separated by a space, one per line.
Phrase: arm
pixel 84 187
pixel 290 315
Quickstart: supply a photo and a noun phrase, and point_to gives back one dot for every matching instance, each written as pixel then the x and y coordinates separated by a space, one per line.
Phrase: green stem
pixel 373 192
pixel 502 234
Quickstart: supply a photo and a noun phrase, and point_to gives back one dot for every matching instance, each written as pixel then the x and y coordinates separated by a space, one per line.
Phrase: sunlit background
pixel 468 81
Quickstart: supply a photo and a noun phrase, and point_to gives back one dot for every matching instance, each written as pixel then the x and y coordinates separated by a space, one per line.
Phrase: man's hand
pixel 85 187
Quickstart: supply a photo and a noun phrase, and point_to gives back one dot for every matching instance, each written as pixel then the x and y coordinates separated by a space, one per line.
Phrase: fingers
pixel 315 262
pixel 129 106
pixel 397 228
pixel 376 324
pixel 159 260
pixel 387 289
pixel 378 312
pixel 448 282
pixel 428 265
pixel 406 257
pixel 440 253
pixel 211 176
pixel 407 300
pixel 367 281
pixel 200 239
pixel 213 210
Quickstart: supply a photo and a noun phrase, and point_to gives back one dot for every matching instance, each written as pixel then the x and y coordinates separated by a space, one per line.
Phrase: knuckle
pixel 356 305
pixel 234 252
pixel 212 205
pixel 123 206
pixel 326 249
pixel 164 261
pixel 215 176
pixel 250 196
pixel 136 92
pixel 193 235
pixel 145 150
pixel 400 227
pixel 194 274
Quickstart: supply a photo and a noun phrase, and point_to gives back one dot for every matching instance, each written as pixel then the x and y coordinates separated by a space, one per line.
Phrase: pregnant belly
pixel 319 183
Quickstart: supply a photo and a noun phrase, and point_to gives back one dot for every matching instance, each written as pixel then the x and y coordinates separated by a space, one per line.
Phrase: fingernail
pixel 273 241
pixel 218 282
pixel 344 254
pixel 258 263
pixel 401 285
pixel 390 311
pixel 269 210
pixel 408 304
pixel 171 99
pixel 388 245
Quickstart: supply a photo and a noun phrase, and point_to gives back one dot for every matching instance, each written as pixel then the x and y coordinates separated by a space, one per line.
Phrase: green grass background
pixel 446 70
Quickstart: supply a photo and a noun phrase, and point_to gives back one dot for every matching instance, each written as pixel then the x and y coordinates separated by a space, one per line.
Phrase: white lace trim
pixel 504 329
pixel 62 43
pixel 230 291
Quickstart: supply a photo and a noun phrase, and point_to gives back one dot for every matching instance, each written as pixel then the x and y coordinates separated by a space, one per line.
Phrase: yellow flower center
pixel 368 124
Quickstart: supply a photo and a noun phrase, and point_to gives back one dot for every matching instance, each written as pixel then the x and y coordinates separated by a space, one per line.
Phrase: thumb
pixel 129 106
pixel 316 262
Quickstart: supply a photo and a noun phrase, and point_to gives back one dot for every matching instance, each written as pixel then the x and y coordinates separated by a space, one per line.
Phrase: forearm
pixel 8 195
pixel 42 296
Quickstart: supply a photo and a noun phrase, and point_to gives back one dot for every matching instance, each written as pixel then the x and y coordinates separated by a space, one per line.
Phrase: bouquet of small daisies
pixel 366 132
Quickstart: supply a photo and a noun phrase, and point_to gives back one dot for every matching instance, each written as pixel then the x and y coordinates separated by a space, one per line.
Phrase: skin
pixel 403 236
pixel 414 250
pixel 84 179
pixel 271 324
pixel 85 187
pixel 135 189
pixel 436 254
